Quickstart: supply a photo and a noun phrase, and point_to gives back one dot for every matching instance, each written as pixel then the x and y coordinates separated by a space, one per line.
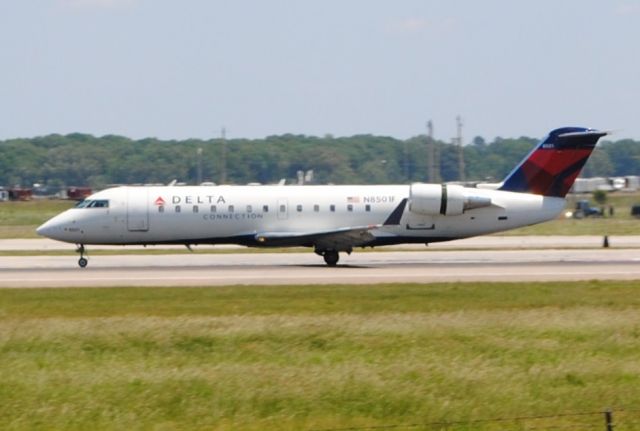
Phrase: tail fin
pixel 552 167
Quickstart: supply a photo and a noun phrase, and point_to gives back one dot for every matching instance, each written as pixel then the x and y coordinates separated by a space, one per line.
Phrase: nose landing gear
pixel 82 262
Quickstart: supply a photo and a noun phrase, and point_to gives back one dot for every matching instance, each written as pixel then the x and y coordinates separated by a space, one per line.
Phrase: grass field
pixel 318 357
pixel 20 219
pixel 622 223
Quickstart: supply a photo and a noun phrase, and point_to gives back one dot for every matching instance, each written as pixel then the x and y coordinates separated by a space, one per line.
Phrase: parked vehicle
pixel 584 209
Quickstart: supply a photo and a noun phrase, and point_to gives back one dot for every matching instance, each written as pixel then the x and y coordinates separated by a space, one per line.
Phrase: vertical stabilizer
pixel 552 167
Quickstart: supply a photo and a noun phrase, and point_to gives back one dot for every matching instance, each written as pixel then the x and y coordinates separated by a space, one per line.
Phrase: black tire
pixel 331 257
pixel 82 262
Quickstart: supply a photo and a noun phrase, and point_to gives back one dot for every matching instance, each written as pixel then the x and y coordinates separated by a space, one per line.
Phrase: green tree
pixel 81 159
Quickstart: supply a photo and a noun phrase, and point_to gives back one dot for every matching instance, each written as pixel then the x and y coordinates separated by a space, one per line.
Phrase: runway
pixel 308 268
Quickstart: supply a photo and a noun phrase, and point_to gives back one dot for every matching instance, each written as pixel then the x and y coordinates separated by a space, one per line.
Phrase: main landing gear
pixel 331 257
pixel 82 262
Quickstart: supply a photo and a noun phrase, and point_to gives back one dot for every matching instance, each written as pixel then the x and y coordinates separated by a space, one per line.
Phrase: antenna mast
pixel 461 166
pixel 433 159
pixel 223 156
pixel 199 165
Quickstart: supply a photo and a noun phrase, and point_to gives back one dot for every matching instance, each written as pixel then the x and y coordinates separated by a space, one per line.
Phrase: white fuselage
pixel 237 214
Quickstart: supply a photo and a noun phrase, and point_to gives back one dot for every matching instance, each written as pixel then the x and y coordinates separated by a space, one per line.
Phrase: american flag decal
pixel 353 199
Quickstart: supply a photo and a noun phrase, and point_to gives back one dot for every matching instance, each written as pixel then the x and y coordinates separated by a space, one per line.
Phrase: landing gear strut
pixel 82 262
pixel 331 257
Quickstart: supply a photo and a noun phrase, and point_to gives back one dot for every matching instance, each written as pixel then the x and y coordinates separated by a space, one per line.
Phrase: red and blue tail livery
pixel 552 167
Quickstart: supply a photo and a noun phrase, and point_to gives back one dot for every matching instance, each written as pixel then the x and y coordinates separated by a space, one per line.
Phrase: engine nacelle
pixel 444 199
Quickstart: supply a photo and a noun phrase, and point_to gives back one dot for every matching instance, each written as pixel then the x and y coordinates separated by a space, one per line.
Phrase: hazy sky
pixel 179 69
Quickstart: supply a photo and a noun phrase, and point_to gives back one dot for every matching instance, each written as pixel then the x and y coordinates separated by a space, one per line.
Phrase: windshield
pixel 93 203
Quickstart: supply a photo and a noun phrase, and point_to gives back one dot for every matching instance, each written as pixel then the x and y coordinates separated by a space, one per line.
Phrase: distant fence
pixel 607 420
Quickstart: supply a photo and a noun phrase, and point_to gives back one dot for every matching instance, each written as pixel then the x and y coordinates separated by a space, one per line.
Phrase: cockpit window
pixel 101 203
pixel 93 203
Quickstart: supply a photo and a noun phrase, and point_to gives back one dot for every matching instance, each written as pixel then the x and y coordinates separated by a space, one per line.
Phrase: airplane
pixel 330 218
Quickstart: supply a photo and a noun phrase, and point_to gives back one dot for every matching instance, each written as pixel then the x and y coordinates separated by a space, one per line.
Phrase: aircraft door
pixel 137 209
pixel 283 209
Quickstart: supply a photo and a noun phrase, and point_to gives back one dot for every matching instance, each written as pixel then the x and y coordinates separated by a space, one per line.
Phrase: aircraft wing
pixel 336 239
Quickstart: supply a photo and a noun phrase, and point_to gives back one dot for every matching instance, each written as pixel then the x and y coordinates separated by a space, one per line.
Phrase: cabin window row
pixel 265 208
pixel 332 208
pixel 213 209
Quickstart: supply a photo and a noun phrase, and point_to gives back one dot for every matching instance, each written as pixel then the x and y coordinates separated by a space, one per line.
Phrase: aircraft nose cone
pixel 61 228
pixel 45 229
pixel 54 228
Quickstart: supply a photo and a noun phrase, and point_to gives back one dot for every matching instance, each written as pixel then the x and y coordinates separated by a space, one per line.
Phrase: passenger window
pixel 195 208
pixel 249 209
pixel 316 207
pixel 265 208
pixel 299 208
pixel 367 208
pixel 160 208
pixel 231 208
pixel 332 208
pixel 349 207
pixel 177 208
pixel 213 208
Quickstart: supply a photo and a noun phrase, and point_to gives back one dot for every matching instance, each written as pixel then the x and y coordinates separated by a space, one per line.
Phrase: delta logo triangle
pixel 159 201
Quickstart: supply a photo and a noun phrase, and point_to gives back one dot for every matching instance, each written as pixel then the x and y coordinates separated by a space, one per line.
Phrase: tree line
pixel 82 159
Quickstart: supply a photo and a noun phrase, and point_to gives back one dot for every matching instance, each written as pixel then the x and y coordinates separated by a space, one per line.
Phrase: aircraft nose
pixel 55 228
pixel 47 228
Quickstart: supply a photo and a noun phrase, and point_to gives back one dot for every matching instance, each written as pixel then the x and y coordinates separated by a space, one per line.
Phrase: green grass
pixel 20 219
pixel 314 357
pixel 622 223
pixel 591 226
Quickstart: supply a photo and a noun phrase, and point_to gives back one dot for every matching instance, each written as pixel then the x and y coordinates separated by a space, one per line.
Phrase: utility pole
pixel 461 168
pixel 405 161
pixel 223 156
pixel 433 158
pixel 199 165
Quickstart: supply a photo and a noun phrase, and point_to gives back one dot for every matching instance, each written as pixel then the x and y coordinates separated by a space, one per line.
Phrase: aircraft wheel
pixel 82 262
pixel 331 257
